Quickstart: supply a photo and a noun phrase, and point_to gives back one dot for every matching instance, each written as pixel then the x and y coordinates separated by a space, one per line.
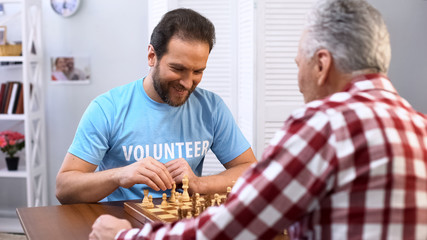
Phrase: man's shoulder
pixel 117 93
pixel 206 96
pixel 120 90
pixel 338 103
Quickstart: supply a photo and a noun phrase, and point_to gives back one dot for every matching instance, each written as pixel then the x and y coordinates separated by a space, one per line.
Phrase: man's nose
pixel 187 81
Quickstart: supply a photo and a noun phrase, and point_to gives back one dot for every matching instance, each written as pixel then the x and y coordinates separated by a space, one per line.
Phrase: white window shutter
pixel 279 27
pixel 246 68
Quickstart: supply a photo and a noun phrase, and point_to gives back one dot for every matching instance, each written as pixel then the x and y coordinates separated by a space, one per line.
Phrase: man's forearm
pixel 77 187
pixel 218 183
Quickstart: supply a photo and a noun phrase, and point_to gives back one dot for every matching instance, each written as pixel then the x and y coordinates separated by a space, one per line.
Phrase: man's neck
pixel 149 88
pixel 363 72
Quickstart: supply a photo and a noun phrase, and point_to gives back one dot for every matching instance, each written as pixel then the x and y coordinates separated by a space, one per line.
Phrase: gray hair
pixel 354 33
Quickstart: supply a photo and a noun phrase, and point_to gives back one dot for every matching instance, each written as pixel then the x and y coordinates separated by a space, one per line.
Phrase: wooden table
pixel 73 221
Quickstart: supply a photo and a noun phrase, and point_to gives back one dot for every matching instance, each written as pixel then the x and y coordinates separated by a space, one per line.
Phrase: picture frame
pixel 70 70
pixel 1 9
pixel 3 34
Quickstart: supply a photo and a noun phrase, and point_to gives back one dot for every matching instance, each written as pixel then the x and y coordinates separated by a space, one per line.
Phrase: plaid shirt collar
pixel 366 82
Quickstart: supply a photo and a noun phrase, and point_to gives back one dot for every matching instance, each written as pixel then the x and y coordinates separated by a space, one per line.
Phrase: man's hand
pixel 107 227
pixel 147 171
pixel 178 168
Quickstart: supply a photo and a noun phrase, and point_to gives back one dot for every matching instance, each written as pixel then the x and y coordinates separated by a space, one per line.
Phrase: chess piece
pixel 208 200
pixel 217 199
pixel 172 198
pixel 179 213
pixel 228 192
pixel 145 199
pixel 185 195
pixel 179 206
pixel 150 202
pixel 164 202
pixel 193 209
pixel 197 209
pixel 177 197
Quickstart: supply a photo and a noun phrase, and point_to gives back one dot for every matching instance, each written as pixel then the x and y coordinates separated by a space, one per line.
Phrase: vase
pixel 12 163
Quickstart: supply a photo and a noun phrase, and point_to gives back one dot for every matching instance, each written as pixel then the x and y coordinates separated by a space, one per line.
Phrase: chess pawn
pixel 172 198
pixel 194 210
pixel 184 213
pixel 197 208
pixel 217 199
pixel 185 195
pixel 164 202
pixel 207 201
pixel 179 200
pixel 189 213
pixel 150 202
pixel 179 211
pixel 228 192
pixel 145 199
pixel 177 197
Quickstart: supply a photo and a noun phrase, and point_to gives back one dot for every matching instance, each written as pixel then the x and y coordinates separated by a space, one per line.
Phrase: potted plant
pixel 11 143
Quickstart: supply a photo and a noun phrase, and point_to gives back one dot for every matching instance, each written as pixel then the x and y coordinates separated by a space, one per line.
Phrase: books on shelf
pixel 11 98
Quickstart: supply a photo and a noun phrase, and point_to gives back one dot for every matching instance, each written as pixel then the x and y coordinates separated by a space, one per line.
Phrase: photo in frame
pixel 70 70
pixel 3 32
pixel 1 9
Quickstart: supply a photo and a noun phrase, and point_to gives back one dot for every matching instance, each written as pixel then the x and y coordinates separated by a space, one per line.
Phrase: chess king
pixel 147 134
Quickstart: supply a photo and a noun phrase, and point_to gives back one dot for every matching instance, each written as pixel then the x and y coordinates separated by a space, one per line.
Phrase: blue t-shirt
pixel 125 125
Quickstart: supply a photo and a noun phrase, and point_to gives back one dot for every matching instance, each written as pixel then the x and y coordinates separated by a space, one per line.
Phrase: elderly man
pixel 351 164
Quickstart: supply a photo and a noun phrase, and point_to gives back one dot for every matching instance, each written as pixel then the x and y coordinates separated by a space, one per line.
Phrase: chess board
pixel 166 215
pixel 156 214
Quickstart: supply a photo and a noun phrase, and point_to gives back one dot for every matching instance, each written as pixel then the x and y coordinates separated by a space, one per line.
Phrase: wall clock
pixel 65 8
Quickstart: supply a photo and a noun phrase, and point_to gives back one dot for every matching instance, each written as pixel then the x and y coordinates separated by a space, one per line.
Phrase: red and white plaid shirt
pixel 351 166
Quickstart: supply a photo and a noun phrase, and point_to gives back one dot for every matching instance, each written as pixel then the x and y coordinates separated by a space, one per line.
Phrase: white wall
pixel 406 22
pixel 114 35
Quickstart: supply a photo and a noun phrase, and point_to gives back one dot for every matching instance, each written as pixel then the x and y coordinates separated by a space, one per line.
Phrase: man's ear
pixel 323 63
pixel 152 58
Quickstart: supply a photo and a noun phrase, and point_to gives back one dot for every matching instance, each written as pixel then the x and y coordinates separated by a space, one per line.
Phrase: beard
pixel 162 89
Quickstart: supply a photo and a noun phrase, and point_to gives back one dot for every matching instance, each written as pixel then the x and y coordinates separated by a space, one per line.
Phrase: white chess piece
pixel 185 195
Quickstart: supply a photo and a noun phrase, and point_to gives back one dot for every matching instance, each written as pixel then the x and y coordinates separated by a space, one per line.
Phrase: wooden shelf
pixel 12 117
pixel 11 58
pixel 10 1
pixel 10 224
pixel 20 173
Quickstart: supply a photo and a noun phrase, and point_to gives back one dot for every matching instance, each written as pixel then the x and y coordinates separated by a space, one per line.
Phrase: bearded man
pixel 153 131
